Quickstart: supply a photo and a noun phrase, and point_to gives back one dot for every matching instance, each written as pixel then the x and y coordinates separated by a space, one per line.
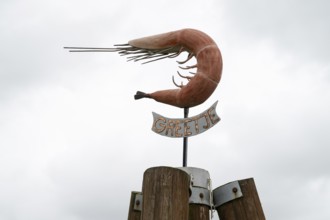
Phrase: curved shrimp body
pixel 209 66
pixel 169 45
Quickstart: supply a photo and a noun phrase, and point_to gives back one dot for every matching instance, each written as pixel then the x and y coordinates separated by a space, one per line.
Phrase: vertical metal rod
pixel 185 141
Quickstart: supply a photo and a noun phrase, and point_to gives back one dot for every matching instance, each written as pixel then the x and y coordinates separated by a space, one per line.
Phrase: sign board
pixel 185 127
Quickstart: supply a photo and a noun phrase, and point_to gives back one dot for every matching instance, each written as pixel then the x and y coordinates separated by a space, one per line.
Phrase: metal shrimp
pixel 197 44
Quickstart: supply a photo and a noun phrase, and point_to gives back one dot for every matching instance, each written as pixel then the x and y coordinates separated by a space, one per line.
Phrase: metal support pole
pixel 185 141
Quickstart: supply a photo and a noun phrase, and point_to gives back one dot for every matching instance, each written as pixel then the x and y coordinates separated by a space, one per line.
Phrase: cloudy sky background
pixel 74 143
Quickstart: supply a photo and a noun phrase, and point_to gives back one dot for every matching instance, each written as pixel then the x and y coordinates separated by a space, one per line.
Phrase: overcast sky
pixel 74 143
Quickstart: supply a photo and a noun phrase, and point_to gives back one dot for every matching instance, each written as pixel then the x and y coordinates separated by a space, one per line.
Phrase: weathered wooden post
pixel 135 206
pixel 165 194
pixel 238 200
pixel 182 193
pixel 200 200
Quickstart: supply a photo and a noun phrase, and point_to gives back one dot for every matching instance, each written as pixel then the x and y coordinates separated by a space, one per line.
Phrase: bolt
pixel 137 202
pixel 235 190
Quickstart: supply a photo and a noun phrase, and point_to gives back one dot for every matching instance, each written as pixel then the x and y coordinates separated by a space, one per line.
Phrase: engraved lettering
pixel 213 116
pixel 196 124
pixel 185 127
pixel 207 121
pixel 170 127
pixel 159 125
pixel 177 128
pixel 187 132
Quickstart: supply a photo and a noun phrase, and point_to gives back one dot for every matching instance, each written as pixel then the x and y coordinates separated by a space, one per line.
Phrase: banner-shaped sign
pixel 185 127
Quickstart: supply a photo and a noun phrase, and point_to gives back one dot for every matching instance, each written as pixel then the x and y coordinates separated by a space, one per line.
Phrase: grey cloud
pixel 300 26
pixel 73 143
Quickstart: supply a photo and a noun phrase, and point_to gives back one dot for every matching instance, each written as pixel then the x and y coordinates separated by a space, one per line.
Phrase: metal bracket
pixel 200 186
pixel 226 193
pixel 200 196
pixel 138 202
pixel 198 177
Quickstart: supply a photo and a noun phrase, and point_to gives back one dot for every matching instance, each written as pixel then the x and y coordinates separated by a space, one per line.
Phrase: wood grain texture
pixel 199 212
pixel 133 214
pixel 165 194
pixel 247 207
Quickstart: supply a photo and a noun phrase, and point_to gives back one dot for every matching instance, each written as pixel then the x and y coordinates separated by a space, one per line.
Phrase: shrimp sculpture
pixel 200 86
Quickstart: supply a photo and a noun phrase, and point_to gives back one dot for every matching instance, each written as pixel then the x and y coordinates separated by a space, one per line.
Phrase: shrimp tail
pixel 140 95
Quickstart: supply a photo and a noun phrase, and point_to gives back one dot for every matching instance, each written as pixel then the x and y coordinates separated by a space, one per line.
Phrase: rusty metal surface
pixel 186 127
pixel 201 83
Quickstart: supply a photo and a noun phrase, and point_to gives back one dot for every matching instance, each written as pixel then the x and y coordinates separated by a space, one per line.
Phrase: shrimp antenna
pixel 133 53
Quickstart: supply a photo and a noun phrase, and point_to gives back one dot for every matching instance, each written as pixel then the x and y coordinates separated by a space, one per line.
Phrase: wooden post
pixel 200 194
pixel 238 200
pixel 199 212
pixel 134 212
pixel 185 194
pixel 165 194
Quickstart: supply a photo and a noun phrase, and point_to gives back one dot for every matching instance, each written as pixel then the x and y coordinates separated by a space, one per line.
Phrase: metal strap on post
pixel 226 193
pixel 200 187
pixel 138 202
